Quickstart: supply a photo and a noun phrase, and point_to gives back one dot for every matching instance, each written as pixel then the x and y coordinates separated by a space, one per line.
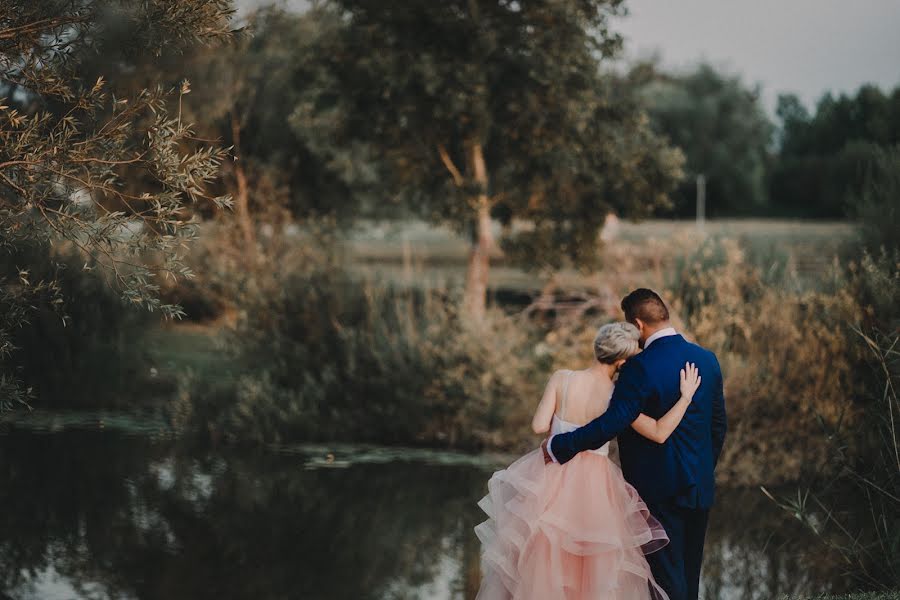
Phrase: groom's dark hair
pixel 645 305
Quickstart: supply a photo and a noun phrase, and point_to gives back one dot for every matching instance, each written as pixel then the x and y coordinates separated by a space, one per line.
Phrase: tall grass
pixel 327 353
pixel 330 356
pixel 857 513
pixel 785 351
pixel 878 206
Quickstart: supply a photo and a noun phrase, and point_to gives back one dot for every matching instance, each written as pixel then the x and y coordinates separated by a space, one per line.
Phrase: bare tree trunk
pixel 475 300
pixel 242 197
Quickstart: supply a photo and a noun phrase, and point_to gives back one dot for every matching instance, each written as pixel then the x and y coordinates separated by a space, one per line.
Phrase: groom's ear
pixel 640 325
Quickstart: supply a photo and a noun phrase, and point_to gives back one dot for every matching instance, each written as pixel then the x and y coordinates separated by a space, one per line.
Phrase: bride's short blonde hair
pixel 615 341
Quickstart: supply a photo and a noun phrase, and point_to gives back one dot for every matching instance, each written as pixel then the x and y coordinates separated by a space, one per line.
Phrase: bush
pixel 878 206
pixel 786 354
pixel 875 281
pixel 78 344
pixel 857 512
pixel 329 356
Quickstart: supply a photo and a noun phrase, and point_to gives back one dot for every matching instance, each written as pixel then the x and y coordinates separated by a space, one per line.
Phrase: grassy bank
pixel 329 347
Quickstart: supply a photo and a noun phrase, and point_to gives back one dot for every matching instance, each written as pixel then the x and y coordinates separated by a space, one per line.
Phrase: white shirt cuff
pixel 549 450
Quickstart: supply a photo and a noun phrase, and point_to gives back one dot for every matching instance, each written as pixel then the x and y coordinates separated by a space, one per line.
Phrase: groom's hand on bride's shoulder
pixel 547 458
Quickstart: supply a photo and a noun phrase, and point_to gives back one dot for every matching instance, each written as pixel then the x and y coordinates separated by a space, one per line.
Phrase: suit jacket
pixel 681 470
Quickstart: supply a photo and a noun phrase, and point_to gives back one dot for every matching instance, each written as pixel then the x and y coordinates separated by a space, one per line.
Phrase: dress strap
pixel 565 394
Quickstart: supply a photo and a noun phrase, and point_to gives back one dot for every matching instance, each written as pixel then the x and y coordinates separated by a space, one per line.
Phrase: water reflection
pixel 107 515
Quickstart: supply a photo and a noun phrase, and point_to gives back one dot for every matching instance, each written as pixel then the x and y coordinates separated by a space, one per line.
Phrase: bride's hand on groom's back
pixel 690 381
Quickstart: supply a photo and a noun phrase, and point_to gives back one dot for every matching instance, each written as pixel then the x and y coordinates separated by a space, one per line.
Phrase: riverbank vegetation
pixel 313 312
pixel 405 351
pixel 317 341
pixel 864 452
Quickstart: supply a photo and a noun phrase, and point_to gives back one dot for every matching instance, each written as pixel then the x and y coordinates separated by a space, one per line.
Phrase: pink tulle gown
pixel 577 531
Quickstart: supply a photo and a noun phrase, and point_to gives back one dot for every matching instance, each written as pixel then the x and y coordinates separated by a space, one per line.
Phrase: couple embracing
pixel 564 521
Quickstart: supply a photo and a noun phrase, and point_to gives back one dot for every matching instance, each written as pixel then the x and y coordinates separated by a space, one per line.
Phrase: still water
pixel 125 513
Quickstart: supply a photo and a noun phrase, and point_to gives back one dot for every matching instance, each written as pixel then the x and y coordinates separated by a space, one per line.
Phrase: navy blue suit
pixel 676 479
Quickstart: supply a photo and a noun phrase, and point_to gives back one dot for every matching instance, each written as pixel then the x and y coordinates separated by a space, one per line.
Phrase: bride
pixel 577 531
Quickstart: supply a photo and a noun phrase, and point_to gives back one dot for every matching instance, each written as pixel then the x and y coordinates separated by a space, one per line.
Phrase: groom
pixel 675 478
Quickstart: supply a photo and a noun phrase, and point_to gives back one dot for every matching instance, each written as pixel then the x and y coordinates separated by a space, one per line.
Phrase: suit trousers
pixel 676 567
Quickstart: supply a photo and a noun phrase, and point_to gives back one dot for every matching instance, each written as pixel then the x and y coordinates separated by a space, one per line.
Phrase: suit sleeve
pixel 626 404
pixel 719 418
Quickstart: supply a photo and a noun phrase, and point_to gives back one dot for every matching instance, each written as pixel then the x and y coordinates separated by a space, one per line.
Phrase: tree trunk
pixel 242 197
pixel 475 300
pixel 241 209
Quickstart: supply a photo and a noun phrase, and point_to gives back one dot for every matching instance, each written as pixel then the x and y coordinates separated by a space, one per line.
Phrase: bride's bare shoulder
pixel 560 374
pixel 555 378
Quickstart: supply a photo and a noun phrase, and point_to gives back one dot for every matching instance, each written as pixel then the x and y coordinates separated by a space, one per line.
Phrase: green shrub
pixel 875 280
pixel 785 351
pixel 877 207
pixel 855 507
pixel 78 344
pixel 326 355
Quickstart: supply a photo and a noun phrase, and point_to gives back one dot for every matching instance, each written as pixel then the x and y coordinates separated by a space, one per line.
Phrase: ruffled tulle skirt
pixel 577 531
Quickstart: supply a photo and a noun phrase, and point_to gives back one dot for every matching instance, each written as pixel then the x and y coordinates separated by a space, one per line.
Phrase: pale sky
pixel 801 46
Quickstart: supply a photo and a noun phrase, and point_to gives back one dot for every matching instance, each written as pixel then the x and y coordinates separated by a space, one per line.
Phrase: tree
pixel 721 127
pixel 246 95
pixel 243 94
pixel 826 158
pixel 466 110
pixel 71 149
pixel 793 116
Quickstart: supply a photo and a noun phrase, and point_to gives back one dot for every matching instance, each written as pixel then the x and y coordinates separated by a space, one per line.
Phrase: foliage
pixel 876 283
pixel 312 341
pixel 878 206
pixel 721 127
pixel 464 110
pixel 243 93
pixel 821 186
pixel 869 474
pixel 77 344
pixel 871 115
pixel 825 157
pixel 785 352
pixel 264 79
pixel 866 450
pixel 326 356
pixel 19 292
pixel 70 149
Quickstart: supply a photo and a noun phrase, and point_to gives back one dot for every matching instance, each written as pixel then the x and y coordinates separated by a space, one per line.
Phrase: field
pixel 436 257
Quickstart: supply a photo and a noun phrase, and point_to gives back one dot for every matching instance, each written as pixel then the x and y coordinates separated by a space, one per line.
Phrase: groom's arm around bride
pixel 624 407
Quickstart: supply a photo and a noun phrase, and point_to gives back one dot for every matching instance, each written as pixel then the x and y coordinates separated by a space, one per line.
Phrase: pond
pixel 125 512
